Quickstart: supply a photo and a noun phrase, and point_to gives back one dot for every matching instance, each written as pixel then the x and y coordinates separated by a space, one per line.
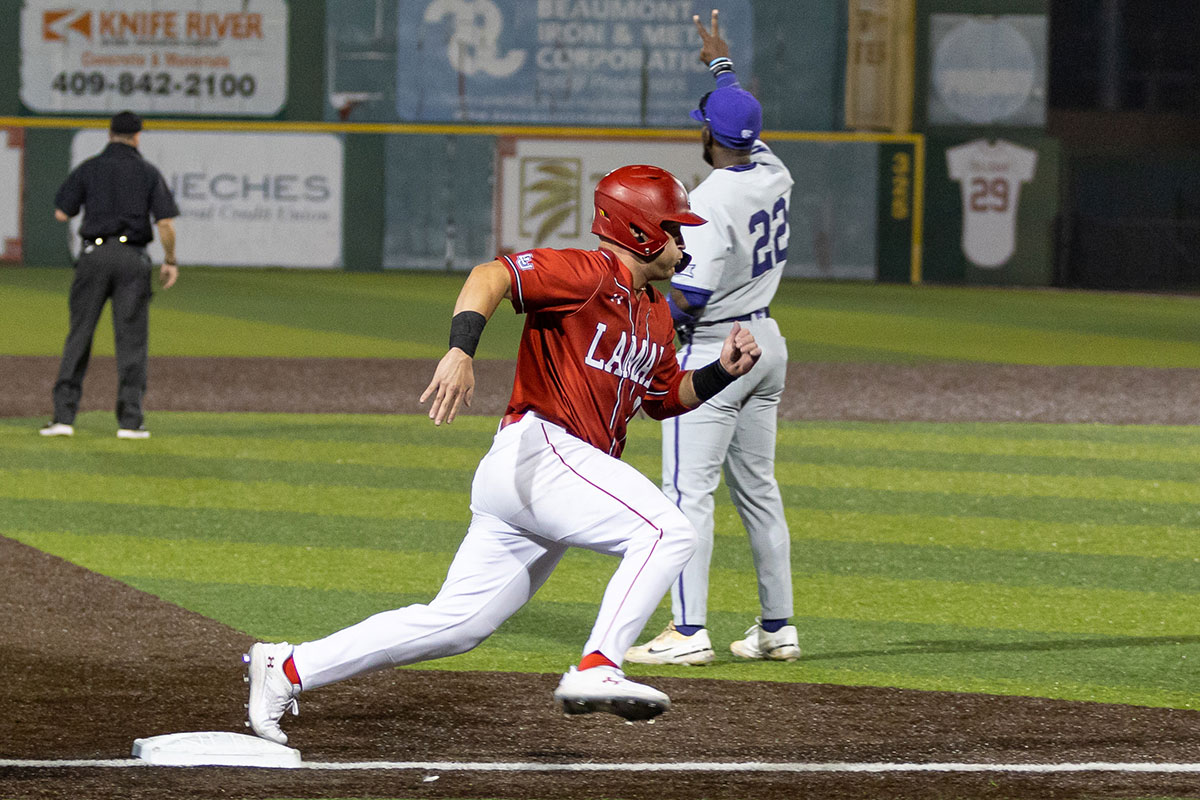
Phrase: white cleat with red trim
pixel 607 689
pixel 271 693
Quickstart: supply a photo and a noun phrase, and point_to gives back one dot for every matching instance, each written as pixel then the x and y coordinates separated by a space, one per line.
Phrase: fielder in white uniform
pixel 738 258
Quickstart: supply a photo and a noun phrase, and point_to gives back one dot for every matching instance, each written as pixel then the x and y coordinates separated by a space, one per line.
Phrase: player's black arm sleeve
pixel 708 381
pixel 465 329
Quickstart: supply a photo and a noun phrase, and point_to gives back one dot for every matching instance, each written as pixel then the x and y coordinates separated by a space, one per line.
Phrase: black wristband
pixel 707 381
pixel 465 330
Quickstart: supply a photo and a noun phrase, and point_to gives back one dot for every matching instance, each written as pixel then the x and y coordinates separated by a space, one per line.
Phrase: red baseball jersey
pixel 593 351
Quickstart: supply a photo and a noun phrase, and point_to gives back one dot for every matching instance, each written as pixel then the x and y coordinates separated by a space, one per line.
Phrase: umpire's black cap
pixel 125 123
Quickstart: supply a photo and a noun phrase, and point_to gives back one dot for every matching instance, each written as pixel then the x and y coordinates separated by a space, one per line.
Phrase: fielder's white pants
pixel 538 491
pixel 735 430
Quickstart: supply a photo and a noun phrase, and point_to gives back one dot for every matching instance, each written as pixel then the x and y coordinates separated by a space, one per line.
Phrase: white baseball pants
pixel 538 491
pixel 736 430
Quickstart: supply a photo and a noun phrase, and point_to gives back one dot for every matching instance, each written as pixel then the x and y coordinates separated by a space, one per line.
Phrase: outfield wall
pixel 331 195
pixel 377 134
pixel 380 134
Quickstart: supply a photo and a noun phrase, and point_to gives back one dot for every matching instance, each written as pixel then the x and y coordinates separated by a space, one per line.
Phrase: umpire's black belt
pixel 117 239
pixel 758 313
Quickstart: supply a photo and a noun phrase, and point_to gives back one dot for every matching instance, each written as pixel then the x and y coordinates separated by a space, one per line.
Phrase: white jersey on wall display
pixel 991 176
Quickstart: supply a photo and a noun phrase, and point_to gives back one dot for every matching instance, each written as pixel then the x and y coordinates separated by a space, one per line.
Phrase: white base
pixel 214 748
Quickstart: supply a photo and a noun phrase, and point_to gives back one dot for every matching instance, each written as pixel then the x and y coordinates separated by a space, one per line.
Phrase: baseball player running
pixel 598 344
pixel 739 257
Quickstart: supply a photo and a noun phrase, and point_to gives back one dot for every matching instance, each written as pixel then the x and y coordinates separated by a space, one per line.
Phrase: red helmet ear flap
pixel 645 197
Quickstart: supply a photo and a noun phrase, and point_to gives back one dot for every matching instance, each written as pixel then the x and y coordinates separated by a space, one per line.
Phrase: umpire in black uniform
pixel 119 192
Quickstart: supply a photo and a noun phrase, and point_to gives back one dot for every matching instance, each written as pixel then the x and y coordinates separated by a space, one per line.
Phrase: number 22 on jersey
pixel 770 248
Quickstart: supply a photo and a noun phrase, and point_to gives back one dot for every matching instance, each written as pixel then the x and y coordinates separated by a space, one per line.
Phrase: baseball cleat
pixel 271 693
pixel 607 689
pixel 57 429
pixel 133 433
pixel 782 645
pixel 673 647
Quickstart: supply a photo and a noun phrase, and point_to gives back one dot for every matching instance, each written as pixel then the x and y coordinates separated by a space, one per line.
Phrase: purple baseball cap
pixel 733 115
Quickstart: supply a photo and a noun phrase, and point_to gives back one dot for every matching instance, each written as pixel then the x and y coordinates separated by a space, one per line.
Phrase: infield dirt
pixel 89 664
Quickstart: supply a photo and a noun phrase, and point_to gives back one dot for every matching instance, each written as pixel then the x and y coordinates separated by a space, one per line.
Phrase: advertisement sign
pixel 202 57
pixel 544 187
pixel 12 154
pixel 988 70
pixel 879 65
pixel 245 199
pixel 589 62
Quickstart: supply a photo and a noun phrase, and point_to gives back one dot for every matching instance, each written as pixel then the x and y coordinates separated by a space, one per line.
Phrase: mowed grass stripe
pixel 976 604
pixel 227 336
pixel 244 432
pixel 70 485
pixel 992 484
pixel 544 637
pixel 987 605
pixel 417 474
pixel 847 322
pixel 249 422
pixel 825 548
pixel 929 502
pixel 963 565
pixel 960 340
pixel 933 560
pixel 130 558
pixel 231 449
pixel 986 533
pixel 450 504
pixel 233 525
pixel 1125 467
pixel 1153 443
pixel 236 563
pixel 823 475
pixel 1126 314
pixel 414 470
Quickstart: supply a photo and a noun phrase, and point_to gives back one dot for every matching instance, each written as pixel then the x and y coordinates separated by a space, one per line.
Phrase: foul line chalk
pixel 700 766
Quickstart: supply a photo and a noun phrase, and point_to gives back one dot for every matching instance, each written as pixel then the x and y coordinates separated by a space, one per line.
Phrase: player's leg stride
pixel 780 643
pixel 271 691
pixel 547 485
pixel 674 647
pixel 605 688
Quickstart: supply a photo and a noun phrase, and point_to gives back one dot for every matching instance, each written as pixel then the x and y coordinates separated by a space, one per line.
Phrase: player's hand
pixel 740 352
pixel 711 44
pixel 167 275
pixel 453 384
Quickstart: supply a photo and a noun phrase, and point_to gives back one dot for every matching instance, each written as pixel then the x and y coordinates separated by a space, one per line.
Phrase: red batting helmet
pixel 645 197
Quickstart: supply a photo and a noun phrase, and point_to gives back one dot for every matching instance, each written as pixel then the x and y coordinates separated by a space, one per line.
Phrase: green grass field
pixel 1048 560
pixel 215 312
